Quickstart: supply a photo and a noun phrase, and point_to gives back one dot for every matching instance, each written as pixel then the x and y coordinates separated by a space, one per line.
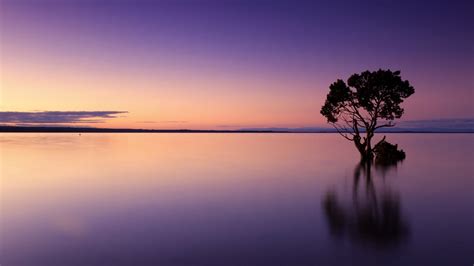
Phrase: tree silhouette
pixel 369 101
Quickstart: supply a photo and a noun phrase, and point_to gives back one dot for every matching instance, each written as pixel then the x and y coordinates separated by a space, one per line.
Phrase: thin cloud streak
pixel 453 123
pixel 163 122
pixel 58 117
pixel 428 125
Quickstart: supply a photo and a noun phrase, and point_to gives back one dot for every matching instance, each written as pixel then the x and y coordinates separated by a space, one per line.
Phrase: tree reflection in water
pixel 373 215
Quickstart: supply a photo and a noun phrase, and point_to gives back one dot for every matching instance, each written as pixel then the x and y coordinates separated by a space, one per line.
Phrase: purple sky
pixel 219 62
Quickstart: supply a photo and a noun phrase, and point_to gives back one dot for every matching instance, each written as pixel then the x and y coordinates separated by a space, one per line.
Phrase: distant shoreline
pixel 15 129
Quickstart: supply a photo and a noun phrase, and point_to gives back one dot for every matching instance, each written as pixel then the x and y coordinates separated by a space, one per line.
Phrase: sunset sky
pixel 225 64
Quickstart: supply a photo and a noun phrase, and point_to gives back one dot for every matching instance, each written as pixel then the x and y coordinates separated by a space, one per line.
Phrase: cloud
pixel 428 125
pixel 455 123
pixel 58 117
pixel 163 122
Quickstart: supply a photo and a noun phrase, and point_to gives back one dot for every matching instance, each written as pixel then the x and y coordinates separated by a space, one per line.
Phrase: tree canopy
pixel 367 102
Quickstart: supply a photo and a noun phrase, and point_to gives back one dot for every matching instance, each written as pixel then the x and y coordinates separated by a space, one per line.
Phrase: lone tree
pixel 369 101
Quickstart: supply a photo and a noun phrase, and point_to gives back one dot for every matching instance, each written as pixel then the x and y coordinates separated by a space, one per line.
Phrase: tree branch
pixel 389 124
pixel 344 133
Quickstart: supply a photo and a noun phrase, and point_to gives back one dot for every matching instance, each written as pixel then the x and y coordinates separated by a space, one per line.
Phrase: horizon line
pixel 70 129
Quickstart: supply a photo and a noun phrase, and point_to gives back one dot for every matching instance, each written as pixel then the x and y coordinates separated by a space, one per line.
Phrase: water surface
pixel 233 199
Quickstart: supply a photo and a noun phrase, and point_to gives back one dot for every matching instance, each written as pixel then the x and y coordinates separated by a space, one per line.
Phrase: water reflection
pixel 373 215
pixel 231 199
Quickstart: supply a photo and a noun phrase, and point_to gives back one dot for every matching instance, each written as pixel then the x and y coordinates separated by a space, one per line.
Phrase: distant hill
pixel 26 129
pixel 454 125
pixel 20 129
pixel 384 130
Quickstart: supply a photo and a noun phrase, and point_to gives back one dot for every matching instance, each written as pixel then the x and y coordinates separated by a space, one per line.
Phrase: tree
pixel 369 101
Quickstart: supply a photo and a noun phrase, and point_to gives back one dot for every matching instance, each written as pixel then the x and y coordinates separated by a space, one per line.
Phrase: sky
pixel 224 64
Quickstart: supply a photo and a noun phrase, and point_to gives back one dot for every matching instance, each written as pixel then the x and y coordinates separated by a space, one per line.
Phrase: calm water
pixel 233 199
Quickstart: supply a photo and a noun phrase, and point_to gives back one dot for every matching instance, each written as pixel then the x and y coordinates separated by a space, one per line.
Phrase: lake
pixel 233 199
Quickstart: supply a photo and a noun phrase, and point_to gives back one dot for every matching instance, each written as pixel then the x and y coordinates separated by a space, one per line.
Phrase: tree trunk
pixel 368 149
pixel 360 147
pixel 365 148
